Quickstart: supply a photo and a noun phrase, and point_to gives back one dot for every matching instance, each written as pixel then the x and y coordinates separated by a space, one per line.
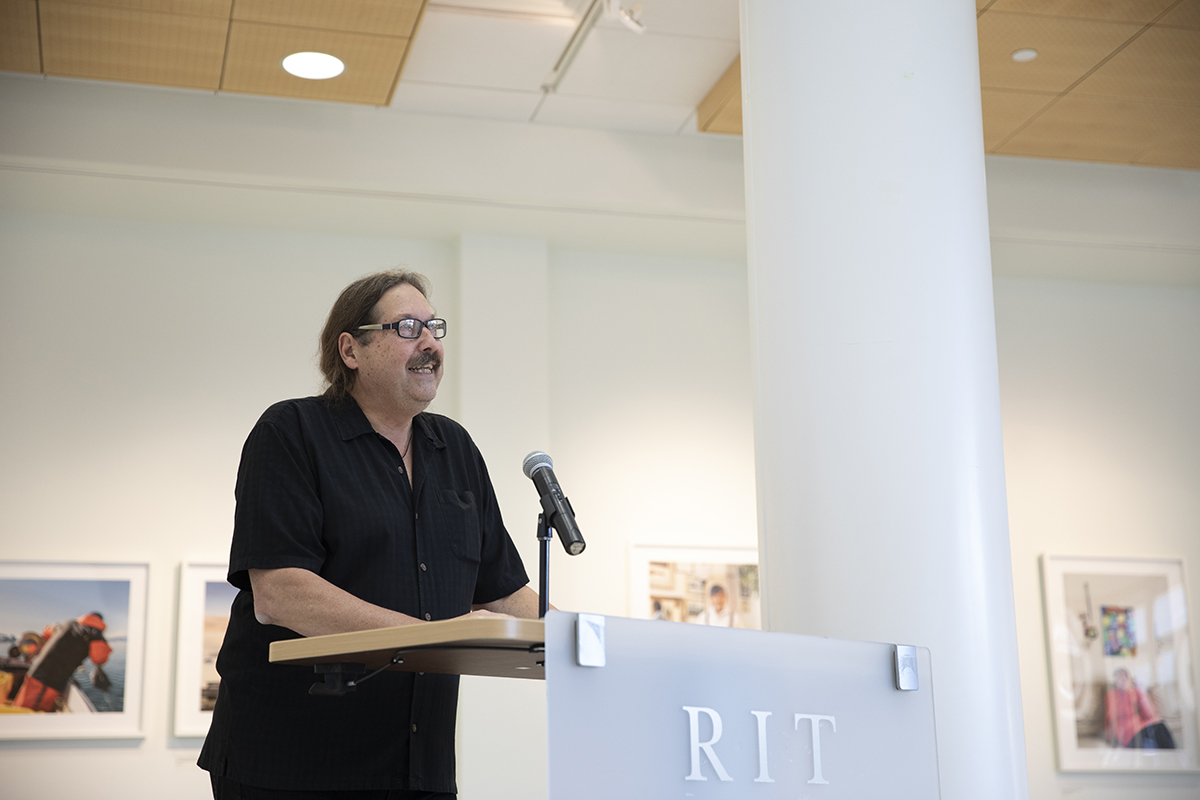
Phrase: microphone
pixel 539 468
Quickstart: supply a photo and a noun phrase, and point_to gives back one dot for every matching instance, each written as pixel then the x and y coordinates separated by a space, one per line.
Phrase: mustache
pixel 425 359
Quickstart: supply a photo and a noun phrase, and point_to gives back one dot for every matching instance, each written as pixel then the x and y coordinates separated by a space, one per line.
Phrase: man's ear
pixel 348 350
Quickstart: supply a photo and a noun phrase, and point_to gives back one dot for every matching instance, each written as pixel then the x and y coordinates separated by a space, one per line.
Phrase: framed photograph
pixel 205 598
pixel 1120 664
pixel 698 585
pixel 73 640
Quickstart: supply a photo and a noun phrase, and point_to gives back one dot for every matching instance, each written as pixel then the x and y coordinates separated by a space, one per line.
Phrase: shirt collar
pixel 352 422
pixel 426 428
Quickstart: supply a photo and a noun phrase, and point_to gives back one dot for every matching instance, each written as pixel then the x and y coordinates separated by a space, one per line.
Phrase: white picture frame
pixel 1120 650
pixel 692 572
pixel 37 594
pixel 204 593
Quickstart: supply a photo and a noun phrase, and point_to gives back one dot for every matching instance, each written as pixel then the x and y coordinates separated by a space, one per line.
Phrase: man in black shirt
pixel 356 510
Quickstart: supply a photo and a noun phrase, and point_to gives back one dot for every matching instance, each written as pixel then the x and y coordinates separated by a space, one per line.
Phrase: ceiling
pixel 1115 80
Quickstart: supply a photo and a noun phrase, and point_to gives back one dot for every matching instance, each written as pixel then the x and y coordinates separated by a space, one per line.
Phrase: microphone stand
pixel 544 536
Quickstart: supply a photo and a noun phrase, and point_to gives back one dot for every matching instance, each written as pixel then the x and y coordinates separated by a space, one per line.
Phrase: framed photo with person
pixel 1120 663
pixel 700 585
pixel 73 639
pixel 205 598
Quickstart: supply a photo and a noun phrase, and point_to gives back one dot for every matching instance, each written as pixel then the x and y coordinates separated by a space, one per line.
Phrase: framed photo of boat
pixel 72 643
pixel 205 598
pixel 1120 651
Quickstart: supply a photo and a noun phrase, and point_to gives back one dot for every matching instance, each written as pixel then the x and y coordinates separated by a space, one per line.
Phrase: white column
pixel 881 495
pixel 504 369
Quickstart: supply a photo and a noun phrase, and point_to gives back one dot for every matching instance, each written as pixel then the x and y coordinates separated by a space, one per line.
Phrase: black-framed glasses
pixel 410 328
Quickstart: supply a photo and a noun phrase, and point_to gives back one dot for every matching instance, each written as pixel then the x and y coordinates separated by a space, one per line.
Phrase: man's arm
pixel 308 604
pixel 521 603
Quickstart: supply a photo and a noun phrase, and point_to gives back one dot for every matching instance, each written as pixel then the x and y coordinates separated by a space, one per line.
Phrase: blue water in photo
pixel 114 699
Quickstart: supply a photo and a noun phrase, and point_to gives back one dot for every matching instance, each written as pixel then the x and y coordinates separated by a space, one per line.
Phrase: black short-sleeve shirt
pixel 319 489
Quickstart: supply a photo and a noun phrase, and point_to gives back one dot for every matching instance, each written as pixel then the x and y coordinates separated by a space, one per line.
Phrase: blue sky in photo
pixel 32 604
pixel 218 597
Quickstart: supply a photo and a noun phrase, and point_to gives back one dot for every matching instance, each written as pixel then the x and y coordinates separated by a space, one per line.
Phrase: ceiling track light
pixel 629 18
pixel 574 44
pixel 597 8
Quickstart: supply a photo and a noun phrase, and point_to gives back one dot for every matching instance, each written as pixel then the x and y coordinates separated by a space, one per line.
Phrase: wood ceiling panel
pixel 1180 147
pixel 1184 15
pixel 1161 64
pixel 721 109
pixel 19 49
pixel 255 50
pixel 729 118
pixel 1067 49
pixel 87 41
pixel 1098 129
pixel 1142 11
pixel 193 8
pixel 1005 110
pixel 384 17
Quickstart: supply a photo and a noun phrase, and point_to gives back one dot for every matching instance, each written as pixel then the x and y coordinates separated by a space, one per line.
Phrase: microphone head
pixel 536 460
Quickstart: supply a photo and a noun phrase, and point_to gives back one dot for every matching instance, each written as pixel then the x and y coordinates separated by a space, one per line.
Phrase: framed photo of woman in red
pixel 1121 664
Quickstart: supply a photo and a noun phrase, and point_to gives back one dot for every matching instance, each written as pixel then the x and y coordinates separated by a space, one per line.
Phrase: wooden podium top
pixel 499 647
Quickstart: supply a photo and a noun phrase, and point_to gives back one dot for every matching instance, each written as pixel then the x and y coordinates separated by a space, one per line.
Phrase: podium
pixel 650 709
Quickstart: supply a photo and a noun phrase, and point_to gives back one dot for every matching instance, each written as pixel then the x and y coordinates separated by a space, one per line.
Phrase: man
pixel 356 510
pixel 717 613
pixel 68 645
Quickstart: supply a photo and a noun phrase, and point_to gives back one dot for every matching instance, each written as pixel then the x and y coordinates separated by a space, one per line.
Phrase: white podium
pixel 654 710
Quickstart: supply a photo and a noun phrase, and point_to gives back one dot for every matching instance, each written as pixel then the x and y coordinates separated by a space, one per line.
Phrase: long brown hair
pixel 356 306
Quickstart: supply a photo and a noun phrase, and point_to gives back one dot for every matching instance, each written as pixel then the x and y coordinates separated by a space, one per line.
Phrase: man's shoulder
pixel 290 412
pixel 439 426
pixel 320 417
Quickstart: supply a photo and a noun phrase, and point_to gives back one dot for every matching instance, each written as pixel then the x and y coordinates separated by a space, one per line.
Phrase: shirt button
pixel 428 616
pixel 423 568
pixel 414 727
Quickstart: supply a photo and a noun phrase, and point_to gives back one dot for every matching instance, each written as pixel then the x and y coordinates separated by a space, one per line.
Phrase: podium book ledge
pixel 497 647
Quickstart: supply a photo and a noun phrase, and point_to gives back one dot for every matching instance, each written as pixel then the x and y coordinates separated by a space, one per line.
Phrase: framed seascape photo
pixel 699 585
pixel 1120 663
pixel 72 638
pixel 205 598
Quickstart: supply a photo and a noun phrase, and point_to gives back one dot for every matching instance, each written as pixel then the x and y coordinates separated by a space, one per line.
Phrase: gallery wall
pixel 1099 389
pixel 167 258
pixel 147 351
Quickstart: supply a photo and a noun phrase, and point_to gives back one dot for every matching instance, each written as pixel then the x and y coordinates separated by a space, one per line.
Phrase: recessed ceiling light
pixel 313 66
pixel 1024 54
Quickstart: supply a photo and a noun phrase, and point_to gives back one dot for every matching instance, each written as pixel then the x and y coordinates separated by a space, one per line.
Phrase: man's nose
pixel 426 340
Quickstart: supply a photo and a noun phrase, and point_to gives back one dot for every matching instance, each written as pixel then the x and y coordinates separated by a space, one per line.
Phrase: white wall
pixel 140 348
pixel 650 403
pixel 139 355
pixel 142 353
pixel 1100 395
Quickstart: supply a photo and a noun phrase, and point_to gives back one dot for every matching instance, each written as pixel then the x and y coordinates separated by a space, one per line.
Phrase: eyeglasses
pixel 410 328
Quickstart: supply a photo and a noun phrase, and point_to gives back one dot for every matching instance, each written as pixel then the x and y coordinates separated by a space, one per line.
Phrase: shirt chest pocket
pixel 458 522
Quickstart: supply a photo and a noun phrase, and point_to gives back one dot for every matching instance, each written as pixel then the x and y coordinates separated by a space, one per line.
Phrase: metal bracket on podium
pixel 338 679
pixel 905 666
pixel 589 640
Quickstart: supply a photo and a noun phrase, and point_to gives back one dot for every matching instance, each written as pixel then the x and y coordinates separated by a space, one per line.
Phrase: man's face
pixel 403 373
pixel 718 600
